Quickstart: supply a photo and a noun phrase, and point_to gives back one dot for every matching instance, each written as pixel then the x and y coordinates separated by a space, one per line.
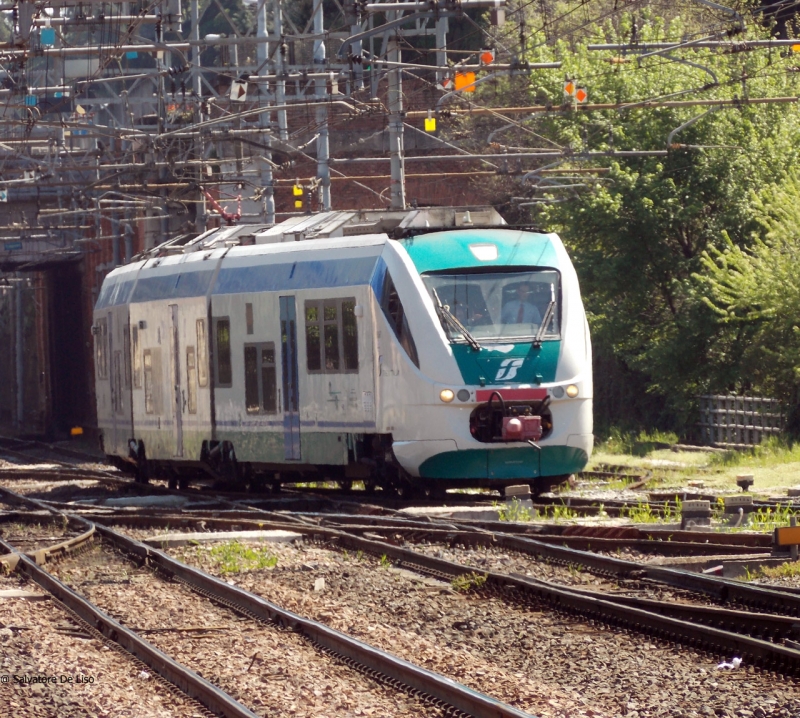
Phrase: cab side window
pixel 395 314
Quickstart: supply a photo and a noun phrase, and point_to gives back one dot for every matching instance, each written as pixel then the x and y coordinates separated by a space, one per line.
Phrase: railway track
pixel 714 630
pixel 438 694
pixel 494 630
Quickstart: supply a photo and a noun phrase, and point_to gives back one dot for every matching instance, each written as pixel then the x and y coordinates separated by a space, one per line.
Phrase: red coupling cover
pixel 522 428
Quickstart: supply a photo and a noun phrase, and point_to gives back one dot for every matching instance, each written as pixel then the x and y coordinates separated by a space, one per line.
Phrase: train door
pixel 114 388
pixel 177 390
pixel 291 399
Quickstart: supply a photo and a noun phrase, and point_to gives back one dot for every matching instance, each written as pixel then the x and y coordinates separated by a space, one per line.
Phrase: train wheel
pixel 433 490
pixel 369 486
pixel 172 483
pixel 403 490
pixel 345 486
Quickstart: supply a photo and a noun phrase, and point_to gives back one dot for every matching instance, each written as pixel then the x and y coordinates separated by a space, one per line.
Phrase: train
pixel 433 359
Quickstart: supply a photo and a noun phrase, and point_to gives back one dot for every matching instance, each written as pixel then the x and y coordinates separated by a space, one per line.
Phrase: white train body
pixel 331 358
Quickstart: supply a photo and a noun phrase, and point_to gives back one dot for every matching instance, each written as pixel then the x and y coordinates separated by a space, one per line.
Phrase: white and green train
pixel 449 358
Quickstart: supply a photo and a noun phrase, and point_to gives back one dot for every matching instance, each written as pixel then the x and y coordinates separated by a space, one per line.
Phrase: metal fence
pixel 731 421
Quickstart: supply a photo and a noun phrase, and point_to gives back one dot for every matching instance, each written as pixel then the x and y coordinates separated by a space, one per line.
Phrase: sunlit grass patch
pixel 235 557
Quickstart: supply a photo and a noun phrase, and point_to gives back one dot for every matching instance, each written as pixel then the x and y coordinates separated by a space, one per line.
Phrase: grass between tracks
pixel 775 464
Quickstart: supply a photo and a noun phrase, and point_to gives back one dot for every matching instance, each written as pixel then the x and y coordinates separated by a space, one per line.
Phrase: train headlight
pixel 447 395
pixel 557 391
pixel 463 395
pixel 572 391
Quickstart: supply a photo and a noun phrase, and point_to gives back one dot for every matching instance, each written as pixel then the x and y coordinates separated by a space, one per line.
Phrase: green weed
pixel 564 513
pixel 770 452
pixel 384 561
pixel 790 569
pixel 515 511
pixel 768 519
pixel 468 582
pixel 235 557
pixel 637 444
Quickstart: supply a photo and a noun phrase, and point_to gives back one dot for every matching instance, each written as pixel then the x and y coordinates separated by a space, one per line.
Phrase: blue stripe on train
pixel 295 275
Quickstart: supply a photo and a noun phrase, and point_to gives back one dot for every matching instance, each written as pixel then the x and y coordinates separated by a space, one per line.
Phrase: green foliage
pixel 768 519
pixel 773 451
pixel 644 513
pixel 754 292
pixel 641 231
pixel 468 582
pixel 785 570
pixel 564 513
pixel 235 557
pixel 634 443
pixel 384 561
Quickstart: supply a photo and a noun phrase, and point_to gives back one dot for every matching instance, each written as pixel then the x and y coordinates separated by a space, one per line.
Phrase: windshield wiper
pixel 548 316
pixel 449 318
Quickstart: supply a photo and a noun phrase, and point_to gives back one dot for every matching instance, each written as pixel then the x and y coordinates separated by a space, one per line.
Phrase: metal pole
pixel 280 71
pixel 395 100
pixel 19 355
pixel 323 146
pixel 268 201
pixel 442 26
pixel 353 17
pixel 197 85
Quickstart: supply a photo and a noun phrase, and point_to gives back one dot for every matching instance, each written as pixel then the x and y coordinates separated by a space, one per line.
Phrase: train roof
pixel 325 262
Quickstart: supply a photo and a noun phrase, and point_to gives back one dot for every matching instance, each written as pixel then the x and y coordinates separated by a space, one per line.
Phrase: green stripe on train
pixel 445 250
pixel 509 463
pixel 490 366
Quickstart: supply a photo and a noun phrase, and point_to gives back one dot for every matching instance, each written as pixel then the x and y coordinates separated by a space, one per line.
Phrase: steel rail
pixel 420 679
pixel 603 607
pixel 185 679
pixel 769 655
pixel 767 626
pixel 415 677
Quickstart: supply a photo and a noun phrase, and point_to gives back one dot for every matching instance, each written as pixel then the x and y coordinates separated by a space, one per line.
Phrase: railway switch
pixel 695 513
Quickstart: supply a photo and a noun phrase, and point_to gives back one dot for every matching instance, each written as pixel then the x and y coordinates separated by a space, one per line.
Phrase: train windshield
pixel 497 305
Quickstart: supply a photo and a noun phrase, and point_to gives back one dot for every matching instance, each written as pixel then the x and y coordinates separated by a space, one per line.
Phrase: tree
pixel 755 294
pixel 639 229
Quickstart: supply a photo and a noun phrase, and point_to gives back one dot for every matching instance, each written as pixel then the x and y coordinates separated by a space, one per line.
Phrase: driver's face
pixel 522 292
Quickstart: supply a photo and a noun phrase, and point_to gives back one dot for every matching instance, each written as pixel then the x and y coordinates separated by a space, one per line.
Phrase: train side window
pixel 151 359
pixel 137 357
pixel 116 379
pixel 191 380
pixel 393 310
pixel 222 355
pixel 248 317
pixel 269 385
pixel 260 383
pixel 330 324
pixel 331 336
pixel 202 353
pixel 313 345
pixel 251 401
pixel 126 356
pixel 349 335
pixel 101 348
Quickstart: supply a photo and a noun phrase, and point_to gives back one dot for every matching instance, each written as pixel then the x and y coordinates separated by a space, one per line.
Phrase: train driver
pixel 520 310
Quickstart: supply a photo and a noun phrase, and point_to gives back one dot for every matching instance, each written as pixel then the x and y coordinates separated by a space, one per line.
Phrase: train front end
pixel 501 390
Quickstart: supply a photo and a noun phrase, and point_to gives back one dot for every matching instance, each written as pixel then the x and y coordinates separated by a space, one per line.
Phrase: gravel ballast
pixel 549 664
pixel 270 670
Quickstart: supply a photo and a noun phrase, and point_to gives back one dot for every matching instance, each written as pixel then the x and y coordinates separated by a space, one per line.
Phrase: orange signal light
pixel 487 57
pixel 465 81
